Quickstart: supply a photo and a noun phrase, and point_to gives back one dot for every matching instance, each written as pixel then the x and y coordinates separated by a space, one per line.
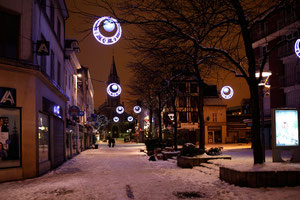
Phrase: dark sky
pixel 98 57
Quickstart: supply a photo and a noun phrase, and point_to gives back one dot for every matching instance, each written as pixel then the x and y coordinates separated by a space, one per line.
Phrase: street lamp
pixel 137 109
pixel 120 109
pixel 113 89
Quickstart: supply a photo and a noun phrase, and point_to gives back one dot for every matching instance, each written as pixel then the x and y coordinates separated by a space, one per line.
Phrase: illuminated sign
pixel 56 109
pixel 114 90
pixel 116 119
pixel 286 128
pixel 107 30
pixel 120 109
pixel 137 109
pixel 226 92
pixel 297 48
pixel 42 47
pixel 130 118
pixel 7 96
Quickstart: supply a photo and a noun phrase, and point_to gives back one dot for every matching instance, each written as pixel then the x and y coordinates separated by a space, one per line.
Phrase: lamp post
pixel 264 88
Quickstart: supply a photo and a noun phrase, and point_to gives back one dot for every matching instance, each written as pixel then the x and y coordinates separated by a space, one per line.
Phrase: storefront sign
pixel 74 110
pixel 7 96
pixel 42 47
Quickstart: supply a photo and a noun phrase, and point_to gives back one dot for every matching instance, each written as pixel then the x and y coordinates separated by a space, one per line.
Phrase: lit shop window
pixel 43 137
pixel 10 137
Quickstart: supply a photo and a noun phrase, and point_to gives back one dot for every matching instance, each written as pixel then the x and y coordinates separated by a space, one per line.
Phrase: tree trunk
pixel 258 150
pixel 200 106
pixel 174 125
pixel 159 118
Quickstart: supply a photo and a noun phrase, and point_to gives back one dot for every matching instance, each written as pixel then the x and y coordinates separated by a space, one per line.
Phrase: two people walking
pixel 111 142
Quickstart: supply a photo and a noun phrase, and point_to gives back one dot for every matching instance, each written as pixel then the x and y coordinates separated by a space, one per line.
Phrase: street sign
pixel 74 111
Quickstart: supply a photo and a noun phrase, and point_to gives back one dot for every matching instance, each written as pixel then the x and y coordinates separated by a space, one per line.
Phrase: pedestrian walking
pixel 113 142
pixel 109 142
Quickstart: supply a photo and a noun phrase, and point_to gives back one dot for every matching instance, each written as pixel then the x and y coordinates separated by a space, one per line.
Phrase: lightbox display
pixel 286 128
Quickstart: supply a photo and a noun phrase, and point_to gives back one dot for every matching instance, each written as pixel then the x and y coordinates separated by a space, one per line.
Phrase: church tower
pixel 113 78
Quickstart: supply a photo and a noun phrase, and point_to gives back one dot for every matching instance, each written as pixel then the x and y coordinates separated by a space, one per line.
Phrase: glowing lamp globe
pixel 111 26
pixel 297 48
pixel 108 25
pixel 137 109
pixel 116 119
pixel 113 89
pixel 130 118
pixel 120 109
pixel 226 92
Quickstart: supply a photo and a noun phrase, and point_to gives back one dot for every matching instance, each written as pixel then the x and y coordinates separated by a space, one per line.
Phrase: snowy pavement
pixel 124 173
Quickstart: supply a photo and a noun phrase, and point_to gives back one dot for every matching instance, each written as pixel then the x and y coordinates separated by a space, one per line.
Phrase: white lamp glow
pixel 130 118
pixel 113 89
pixel 226 92
pixel 137 109
pixel 120 109
pixel 109 24
pixel 297 48
pixel 116 119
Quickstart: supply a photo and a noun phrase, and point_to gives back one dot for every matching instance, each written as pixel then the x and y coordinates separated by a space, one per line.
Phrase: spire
pixel 113 76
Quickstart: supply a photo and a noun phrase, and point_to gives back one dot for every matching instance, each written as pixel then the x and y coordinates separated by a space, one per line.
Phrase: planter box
pixel 190 162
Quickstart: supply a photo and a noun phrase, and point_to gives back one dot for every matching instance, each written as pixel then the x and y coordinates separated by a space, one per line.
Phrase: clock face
pixel 226 92
pixel 130 118
pixel 107 30
pixel 137 109
pixel 116 119
pixel 297 48
pixel 113 89
pixel 120 109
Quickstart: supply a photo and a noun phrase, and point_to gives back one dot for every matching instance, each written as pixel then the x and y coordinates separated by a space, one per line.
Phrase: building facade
pixel 32 82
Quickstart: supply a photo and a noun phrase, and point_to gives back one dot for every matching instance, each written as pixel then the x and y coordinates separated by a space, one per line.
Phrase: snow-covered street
pixel 124 172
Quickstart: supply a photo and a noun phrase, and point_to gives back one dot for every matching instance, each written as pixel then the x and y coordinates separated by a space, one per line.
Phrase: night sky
pixel 98 57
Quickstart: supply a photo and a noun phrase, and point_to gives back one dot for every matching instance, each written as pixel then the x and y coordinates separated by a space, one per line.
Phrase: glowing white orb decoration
pixel 109 25
pixel 116 119
pixel 226 92
pixel 112 28
pixel 130 118
pixel 113 89
pixel 137 109
pixel 120 109
pixel 297 48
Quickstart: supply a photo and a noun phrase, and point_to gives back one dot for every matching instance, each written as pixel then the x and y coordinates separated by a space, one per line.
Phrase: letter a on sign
pixel 42 47
pixel 8 97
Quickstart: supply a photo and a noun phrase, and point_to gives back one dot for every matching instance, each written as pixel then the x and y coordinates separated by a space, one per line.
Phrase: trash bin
pixel 96 146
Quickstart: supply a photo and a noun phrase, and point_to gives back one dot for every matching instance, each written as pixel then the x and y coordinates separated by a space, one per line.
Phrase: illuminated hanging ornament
pixel 116 119
pixel 107 30
pixel 130 118
pixel 226 92
pixel 120 109
pixel 137 109
pixel 113 89
pixel 297 48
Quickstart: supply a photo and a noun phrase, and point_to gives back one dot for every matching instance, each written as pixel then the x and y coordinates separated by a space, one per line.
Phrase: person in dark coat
pixel 113 142
pixel 109 142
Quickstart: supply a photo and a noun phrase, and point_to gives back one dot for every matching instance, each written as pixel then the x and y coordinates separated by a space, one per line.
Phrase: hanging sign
pixel 42 47
pixel 74 110
pixel 7 96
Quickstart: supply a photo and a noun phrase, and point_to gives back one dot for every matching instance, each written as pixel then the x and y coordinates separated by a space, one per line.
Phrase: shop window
pixel 182 101
pixel 10 140
pixel 195 117
pixel 182 117
pixel 9 35
pixel 43 137
pixel 194 88
pixel 194 100
pixel 182 87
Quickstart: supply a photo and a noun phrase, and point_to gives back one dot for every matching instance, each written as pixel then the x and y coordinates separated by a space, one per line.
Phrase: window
pixel 43 137
pixel 10 132
pixel 194 88
pixel 194 117
pixel 214 117
pixel 182 117
pixel 9 35
pixel 52 14
pixel 182 88
pixel 182 101
pixel 58 73
pixel 194 100
pixel 58 30
pixel 43 5
pixel 52 65
pixel 43 59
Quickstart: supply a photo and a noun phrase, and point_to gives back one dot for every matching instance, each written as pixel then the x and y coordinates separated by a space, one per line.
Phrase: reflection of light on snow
pixel 286 124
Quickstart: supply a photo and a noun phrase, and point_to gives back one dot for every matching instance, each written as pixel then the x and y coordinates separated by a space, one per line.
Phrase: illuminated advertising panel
pixel 286 128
